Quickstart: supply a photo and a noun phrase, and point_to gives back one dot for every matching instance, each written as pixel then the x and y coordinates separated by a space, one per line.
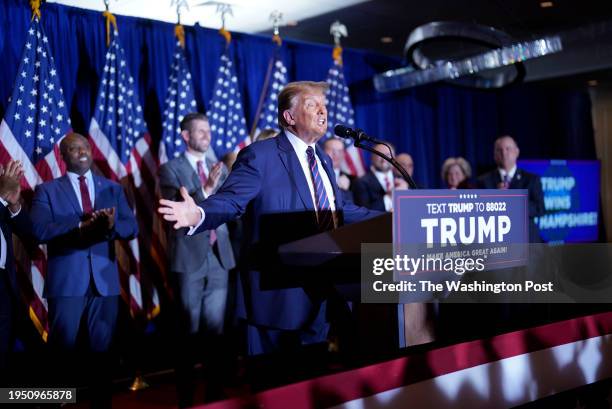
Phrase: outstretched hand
pixel 183 214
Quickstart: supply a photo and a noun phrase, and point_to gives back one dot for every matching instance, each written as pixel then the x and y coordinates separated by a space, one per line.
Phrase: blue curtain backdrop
pixel 430 122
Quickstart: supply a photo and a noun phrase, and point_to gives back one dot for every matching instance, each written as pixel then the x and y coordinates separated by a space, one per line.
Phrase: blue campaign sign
pixel 486 225
pixel 571 199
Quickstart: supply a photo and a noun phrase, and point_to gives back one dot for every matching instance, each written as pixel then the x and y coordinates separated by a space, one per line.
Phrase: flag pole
pixel 276 17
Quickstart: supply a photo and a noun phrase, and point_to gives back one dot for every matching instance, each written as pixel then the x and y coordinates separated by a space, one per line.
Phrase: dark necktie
pixel 506 181
pixel 203 180
pixel 85 199
pixel 202 172
pixel 324 214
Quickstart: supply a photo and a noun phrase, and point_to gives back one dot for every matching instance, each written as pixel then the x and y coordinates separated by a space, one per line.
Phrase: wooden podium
pixel 334 258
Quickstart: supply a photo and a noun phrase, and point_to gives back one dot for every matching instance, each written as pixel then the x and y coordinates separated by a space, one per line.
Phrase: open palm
pixel 183 214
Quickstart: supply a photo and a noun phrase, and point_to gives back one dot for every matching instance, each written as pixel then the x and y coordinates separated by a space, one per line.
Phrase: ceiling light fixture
pixel 546 4
pixel 386 40
pixel 487 57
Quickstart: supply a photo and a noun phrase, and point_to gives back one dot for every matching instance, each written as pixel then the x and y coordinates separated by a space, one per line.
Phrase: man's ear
pixel 185 135
pixel 288 117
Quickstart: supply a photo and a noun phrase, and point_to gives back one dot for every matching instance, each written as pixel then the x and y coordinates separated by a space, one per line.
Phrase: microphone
pixel 349 133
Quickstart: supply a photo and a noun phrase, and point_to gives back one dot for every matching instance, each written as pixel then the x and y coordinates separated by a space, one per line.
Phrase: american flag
pixel 121 149
pixel 35 121
pixel 226 115
pixel 180 101
pixel 340 111
pixel 276 80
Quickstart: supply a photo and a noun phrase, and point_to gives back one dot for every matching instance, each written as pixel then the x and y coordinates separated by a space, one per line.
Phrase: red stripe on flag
pixel 101 162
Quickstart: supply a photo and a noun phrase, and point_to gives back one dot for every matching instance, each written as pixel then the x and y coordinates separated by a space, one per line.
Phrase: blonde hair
pixel 265 134
pixel 287 97
pixel 463 164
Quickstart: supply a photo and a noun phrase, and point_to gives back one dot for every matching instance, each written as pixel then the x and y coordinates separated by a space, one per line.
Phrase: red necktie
pixel 202 172
pixel 85 199
pixel 203 179
pixel 388 184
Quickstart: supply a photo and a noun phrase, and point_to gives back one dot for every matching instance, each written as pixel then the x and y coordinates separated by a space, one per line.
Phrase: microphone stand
pixel 359 142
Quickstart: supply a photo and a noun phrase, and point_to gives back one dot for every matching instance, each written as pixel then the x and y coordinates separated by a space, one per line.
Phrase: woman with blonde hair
pixel 456 173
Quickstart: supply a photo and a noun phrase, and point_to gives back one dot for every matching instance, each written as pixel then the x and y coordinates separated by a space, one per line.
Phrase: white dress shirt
pixel 193 161
pixel 299 146
pixel 74 181
pixel 2 238
pixel 382 176
pixel 511 173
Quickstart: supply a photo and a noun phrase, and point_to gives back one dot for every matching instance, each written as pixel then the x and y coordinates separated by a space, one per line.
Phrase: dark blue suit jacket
pixel 368 192
pixel 55 217
pixel 268 187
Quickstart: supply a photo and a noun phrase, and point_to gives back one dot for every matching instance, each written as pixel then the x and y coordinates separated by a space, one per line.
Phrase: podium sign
pixel 459 230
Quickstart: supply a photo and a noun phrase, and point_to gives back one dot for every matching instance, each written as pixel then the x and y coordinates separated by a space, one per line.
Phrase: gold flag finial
pixel 338 30
pixel 276 17
pixel 35 5
pixel 110 19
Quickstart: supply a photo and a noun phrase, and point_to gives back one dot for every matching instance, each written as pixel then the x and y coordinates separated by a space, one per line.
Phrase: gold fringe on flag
pixel 277 39
pixel 226 34
pixel 179 32
pixel 337 54
pixel 109 19
pixel 35 4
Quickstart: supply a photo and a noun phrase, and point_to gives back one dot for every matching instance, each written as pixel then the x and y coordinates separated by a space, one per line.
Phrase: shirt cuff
pixel 6 204
pixel 192 229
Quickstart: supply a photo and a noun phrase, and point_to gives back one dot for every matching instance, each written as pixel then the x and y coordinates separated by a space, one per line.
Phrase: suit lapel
pixel 66 186
pixel 374 183
pixel 98 189
pixel 294 169
pixel 517 180
pixel 190 174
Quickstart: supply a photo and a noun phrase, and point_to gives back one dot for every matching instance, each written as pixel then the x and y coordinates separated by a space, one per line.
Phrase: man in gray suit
pixel 199 264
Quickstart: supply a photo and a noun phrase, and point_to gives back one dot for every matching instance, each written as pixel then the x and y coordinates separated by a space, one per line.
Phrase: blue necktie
pixel 324 214
pixel 506 181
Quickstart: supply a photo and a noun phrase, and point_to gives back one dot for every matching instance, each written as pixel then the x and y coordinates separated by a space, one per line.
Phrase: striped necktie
pixel 324 214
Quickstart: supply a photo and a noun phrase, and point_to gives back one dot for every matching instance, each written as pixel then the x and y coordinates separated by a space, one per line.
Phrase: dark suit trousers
pixel 99 315
pixel 6 324
pixel 66 313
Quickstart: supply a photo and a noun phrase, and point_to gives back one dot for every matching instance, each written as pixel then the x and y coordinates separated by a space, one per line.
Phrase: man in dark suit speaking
pixel 508 176
pixel 285 190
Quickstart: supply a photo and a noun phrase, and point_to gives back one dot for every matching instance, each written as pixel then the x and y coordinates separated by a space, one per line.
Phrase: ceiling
pixel 586 25
pixel 248 16
pixel 369 21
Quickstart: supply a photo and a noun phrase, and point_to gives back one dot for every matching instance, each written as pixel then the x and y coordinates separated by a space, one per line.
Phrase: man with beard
pixel 199 265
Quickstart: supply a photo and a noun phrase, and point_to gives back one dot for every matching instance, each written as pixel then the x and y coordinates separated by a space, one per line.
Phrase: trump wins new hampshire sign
pixel 460 230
